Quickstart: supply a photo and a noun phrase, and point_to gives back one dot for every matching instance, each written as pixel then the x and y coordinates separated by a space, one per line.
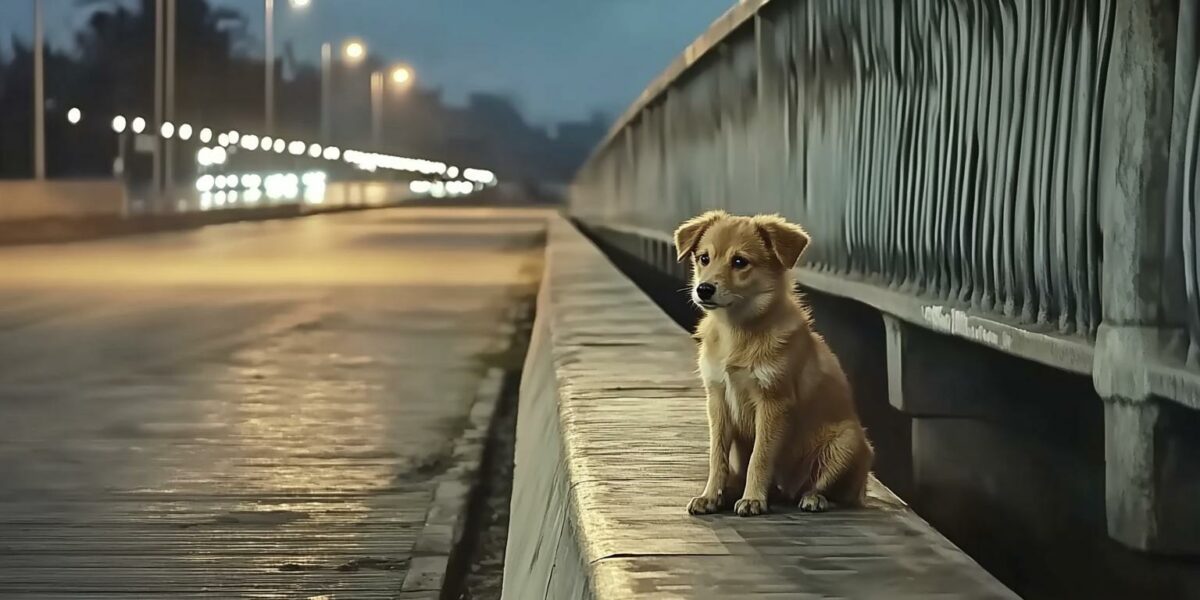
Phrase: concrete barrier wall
pixel 612 440
pixel 29 199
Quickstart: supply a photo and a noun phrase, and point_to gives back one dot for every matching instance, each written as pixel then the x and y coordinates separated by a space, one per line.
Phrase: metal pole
pixel 269 63
pixel 377 109
pixel 169 160
pixel 156 189
pixel 39 94
pixel 326 92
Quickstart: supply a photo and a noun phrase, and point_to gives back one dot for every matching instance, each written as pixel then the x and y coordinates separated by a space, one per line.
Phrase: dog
pixel 782 420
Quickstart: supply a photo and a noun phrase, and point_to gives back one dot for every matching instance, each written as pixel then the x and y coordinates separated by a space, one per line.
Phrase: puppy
pixel 780 412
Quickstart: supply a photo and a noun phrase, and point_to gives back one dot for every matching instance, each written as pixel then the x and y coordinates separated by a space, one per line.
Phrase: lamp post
pixel 39 94
pixel 401 76
pixel 352 51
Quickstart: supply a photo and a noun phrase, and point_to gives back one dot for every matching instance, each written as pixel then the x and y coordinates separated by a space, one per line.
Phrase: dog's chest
pixel 742 385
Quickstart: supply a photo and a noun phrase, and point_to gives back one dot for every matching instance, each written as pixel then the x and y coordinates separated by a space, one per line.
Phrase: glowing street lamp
pixel 354 51
pixel 401 75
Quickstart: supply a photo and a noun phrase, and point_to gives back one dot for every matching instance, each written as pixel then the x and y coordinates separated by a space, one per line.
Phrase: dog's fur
pixel 780 411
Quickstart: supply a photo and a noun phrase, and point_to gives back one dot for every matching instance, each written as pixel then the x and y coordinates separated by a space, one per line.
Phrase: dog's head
pixel 738 263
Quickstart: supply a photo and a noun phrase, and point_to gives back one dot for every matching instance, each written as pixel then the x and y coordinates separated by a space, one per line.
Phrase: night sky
pixel 560 59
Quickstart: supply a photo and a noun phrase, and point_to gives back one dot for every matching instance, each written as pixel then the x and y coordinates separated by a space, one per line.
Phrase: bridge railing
pixel 1031 164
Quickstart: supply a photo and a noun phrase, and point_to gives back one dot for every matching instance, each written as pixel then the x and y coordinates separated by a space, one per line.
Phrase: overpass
pixel 1003 199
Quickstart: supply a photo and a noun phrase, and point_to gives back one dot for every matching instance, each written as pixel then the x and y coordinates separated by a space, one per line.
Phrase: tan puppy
pixel 780 412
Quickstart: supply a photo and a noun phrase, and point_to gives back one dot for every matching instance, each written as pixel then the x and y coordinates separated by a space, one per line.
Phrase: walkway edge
pixel 441 536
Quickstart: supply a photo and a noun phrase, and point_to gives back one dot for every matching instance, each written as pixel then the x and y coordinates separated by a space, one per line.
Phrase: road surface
pixel 244 410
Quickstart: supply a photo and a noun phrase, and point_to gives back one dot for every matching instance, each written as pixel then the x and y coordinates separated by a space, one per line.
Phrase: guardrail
pixel 1027 170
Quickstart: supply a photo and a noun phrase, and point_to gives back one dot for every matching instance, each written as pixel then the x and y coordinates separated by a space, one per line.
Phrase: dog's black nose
pixel 706 290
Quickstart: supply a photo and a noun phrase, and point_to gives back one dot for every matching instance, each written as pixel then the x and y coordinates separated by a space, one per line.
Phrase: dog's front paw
pixel 814 503
pixel 748 507
pixel 704 505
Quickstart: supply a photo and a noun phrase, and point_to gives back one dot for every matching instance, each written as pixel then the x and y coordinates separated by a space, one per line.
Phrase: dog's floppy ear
pixel 689 234
pixel 786 240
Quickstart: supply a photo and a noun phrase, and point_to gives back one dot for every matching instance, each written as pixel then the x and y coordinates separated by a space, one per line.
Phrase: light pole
pixel 401 76
pixel 170 19
pixel 39 94
pixel 353 51
pixel 156 169
pixel 269 60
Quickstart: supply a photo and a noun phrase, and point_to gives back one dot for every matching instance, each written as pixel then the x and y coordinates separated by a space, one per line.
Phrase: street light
pixel 401 75
pixel 354 51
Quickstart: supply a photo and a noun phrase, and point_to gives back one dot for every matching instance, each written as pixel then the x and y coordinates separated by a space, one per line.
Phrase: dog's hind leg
pixel 840 471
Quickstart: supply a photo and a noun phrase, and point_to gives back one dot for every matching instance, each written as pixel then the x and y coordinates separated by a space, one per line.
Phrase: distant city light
pixel 74 115
pixel 219 155
pixel 249 141
pixel 205 135
pixel 401 75
pixel 205 183
pixel 452 172
pixel 204 157
pixel 296 148
pixel 185 132
pixel 139 125
pixel 332 153
pixel 233 137
pixel 266 143
pixel 314 150
pixel 280 146
pixel 223 139
pixel 118 124
pixel 167 130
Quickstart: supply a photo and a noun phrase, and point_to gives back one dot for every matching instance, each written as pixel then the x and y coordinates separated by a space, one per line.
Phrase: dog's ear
pixel 786 241
pixel 688 235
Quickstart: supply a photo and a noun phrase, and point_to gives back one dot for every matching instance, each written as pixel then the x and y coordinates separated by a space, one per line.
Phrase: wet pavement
pixel 250 410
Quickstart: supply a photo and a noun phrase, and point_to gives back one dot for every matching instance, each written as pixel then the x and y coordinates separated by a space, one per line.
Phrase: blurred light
pixel 314 150
pixel 205 183
pixel 296 148
pixel 479 175
pixel 332 153
pixel 205 157
pixel 206 200
pixel 251 180
pixel 185 132
pixel 420 186
pixel 233 197
pixel 452 172
pixel 167 130
pixel 118 124
pixel 401 75
pixel 223 139
pixel 205 135
pixel 221 182
pixel 219 155
pixel 249 141
pixel 253 195
pixel 300 3
pixel 354 50
pixel 219 197
pixel 312 178
pixel 438 190
pixel 280 146
pixel 74 115
pixel 139 125
pixel 233 136
pixel 266 143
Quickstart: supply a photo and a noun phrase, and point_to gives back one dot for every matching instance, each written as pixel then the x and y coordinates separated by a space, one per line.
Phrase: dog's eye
pixel 740 263
pixel 704 258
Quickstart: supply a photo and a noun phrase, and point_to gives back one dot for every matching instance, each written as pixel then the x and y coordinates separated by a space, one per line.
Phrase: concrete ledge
pixel 611 444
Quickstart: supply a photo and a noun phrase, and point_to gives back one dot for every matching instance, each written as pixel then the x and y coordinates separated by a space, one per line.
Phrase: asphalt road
pixel 249 410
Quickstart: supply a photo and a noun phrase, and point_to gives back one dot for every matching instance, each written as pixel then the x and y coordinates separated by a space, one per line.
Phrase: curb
pixel 445 522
